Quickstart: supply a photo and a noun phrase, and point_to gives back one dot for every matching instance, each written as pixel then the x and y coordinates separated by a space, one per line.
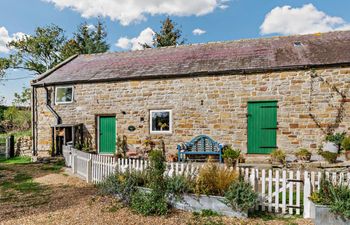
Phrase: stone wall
pixel 212 105
pixel 23 146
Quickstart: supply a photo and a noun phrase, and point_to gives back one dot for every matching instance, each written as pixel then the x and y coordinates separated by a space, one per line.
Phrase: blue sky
pixel 215 20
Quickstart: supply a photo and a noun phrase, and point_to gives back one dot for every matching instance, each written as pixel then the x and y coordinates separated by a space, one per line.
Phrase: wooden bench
pixel 200 145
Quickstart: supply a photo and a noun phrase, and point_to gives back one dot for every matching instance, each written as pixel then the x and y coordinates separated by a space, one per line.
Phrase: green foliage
pixel 48 46
pixel 23 98
pixel 176 186
pixel 123 185
pixel 340 203
pixel 206 213
pixel 278 155
pixel 303 154
pixel 336 138
pixel 87 40
pixel 230 153
pixel 16 160
pixel 155 201
pixel 336 196
pixel 213 179
pixel 149 203
pixel 240 196
pixel 330 157
pixel 346 143
pixel 16 119
pixel 37 52
pixel 169 35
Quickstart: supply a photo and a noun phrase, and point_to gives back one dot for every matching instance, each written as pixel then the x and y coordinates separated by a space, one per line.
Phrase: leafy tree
pixel 169 35
pixel 36 53
pixel 22 99
pixel 87 40
pixel 48 46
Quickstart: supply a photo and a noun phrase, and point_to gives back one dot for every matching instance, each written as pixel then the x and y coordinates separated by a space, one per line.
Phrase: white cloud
pixel 145 37
pixel 198 31
pixel 128 11
pixel 286 20
pixel 5 38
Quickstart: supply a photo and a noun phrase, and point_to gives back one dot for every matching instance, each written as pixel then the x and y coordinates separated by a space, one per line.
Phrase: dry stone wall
pixel 211 105
pixel 23 146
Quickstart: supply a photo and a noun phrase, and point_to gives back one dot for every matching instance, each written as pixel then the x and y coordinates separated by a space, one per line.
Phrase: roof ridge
pixel 317 34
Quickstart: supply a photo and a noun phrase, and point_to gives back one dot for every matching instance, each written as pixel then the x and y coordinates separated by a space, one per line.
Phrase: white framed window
pixel 64 94
pixel 161 121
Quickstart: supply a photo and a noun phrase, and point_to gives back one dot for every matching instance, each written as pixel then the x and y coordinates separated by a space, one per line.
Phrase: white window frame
pixel 69 86
pixel 170 131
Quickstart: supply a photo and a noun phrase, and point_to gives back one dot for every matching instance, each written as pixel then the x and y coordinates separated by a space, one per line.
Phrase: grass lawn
pixel 17 134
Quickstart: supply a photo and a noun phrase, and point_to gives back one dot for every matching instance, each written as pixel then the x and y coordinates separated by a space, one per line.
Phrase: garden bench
pixel 200 145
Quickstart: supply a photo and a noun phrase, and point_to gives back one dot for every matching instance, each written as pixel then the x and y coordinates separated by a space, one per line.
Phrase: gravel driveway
pixel 64 199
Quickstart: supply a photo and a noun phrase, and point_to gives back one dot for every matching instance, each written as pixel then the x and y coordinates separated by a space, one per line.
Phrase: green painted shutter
pixel 262 127
pixel 107 135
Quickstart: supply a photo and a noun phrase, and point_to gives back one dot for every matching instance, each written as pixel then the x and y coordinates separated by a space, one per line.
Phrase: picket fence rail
pixel 280 190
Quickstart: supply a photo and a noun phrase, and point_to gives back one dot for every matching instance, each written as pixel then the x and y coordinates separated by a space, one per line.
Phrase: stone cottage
pixel 256 95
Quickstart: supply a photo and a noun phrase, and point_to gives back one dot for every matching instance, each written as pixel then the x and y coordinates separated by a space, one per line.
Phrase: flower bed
pixel 152 193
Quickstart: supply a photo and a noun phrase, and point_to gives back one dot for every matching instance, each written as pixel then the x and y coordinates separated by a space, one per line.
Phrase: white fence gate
pixel 280 190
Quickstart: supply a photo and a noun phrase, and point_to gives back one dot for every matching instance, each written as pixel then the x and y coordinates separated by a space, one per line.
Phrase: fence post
pixel 89 170
pixel 10 147
pixel 74 162
pixel 307 193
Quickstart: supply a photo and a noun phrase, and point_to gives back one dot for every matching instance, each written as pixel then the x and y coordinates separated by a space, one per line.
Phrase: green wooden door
pixel 262 127
pixel 107 135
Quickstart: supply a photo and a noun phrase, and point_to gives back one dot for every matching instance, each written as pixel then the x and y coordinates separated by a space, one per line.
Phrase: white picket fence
pixel 280 190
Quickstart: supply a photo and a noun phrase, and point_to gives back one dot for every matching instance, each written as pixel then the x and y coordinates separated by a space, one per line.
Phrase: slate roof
pixel 241 56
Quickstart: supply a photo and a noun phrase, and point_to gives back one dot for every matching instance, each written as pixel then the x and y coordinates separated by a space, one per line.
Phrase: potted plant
pixel 330 204
pixel 303 155
pixel 346 146
pixel 231 155
pixel 278 156
pixel 333 142
pixel 330 157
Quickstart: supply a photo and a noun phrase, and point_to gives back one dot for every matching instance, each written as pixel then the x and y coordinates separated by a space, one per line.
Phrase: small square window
pixel 160 121
pixel 64 95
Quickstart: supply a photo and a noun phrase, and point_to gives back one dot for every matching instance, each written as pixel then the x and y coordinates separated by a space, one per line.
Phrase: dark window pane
pixel 160 121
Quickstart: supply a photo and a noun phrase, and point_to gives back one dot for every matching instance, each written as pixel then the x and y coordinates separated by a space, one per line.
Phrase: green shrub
pixel 303 154
pixel 329 156
pixel 340 203
pixel 149 203
pixel 153 202
pixel 337 197
pixel 346 143
pixel 230 155
pixel 278 155
pixel 213 179
pixel 177 186
pixel 123 185
pixel 240 196
pixel 336 138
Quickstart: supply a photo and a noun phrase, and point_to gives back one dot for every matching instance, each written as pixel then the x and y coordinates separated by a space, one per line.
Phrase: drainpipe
pixel 54 113
pixel 48 105
pixel 33 122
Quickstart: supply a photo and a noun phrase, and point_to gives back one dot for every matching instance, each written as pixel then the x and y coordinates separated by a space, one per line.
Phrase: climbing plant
pixel 340 109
